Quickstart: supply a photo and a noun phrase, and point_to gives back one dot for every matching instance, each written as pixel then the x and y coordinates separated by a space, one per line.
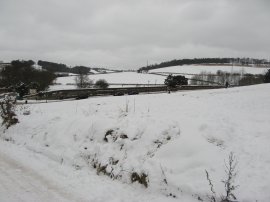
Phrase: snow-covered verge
pixel 27 176
pixel 167 139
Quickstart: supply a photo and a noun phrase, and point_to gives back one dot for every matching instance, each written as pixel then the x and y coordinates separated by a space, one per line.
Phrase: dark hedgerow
pixel 267 77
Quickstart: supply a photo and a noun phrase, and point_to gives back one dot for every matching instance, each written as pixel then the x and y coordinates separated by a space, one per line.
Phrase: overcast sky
pixel 127 33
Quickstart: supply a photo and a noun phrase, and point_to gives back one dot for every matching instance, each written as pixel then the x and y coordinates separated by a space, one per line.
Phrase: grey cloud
pixel 126 33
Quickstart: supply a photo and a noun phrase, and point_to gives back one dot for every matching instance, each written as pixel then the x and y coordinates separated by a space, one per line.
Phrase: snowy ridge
pixel 197 69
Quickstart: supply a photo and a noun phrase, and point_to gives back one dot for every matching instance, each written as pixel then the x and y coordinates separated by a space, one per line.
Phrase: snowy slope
pixel 29 176
pixel 168 136
pixel 196 69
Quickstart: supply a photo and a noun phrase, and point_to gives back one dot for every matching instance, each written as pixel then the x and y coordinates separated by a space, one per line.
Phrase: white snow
pixel 173 136
pixel 115 78
pixel 137 78
pixel 30 176
pixel 94 71
pixel 197 69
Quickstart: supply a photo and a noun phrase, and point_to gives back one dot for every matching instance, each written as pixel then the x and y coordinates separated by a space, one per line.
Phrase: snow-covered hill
pixel 197 69
pixel 171 138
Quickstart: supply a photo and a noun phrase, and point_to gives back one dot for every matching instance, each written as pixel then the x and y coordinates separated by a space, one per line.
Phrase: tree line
pixel 55 67
pixel 21 76
pixel 59 67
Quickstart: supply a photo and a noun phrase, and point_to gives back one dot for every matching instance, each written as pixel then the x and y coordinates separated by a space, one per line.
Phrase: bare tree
pixel 83 81
pixel 212 197
pixel 230 169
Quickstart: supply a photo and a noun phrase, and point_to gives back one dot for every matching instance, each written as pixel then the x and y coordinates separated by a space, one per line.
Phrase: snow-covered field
pixel 171 138
pixel 197 69
pixel 121 77
pixel 135 78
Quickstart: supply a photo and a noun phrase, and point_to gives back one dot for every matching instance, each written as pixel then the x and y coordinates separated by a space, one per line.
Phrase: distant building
pixel 3 64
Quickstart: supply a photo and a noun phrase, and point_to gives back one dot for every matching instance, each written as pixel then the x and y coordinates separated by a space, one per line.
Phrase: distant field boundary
pixel 188 74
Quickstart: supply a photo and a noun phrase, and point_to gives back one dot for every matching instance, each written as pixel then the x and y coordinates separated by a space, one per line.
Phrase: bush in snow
pixel 140 178
pixel 83 81
pixel 101 83
pixel 7 111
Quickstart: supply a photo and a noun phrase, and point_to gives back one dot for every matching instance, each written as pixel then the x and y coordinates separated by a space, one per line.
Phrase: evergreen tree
pixel 173 81
pixel 267 77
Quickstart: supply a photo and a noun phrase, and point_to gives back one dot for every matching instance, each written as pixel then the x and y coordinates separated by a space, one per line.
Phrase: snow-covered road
pixel 19 183
pixel 32 177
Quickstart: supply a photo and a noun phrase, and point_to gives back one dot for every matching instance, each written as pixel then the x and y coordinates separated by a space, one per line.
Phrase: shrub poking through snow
pixel 229 180
pixel 113 135
pixel 108 133
pixel 230 170
pixel 7 111
pixel 129 157
pixel 123 136
pixel 212 197
pixel 140 178
pixel 101 169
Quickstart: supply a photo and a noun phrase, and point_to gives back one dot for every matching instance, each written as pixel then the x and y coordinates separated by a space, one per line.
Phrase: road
pixel 19 183
pixel 26 177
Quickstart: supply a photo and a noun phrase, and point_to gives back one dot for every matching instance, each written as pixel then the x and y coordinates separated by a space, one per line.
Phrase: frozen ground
pixel 51 153
pixel 196 69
